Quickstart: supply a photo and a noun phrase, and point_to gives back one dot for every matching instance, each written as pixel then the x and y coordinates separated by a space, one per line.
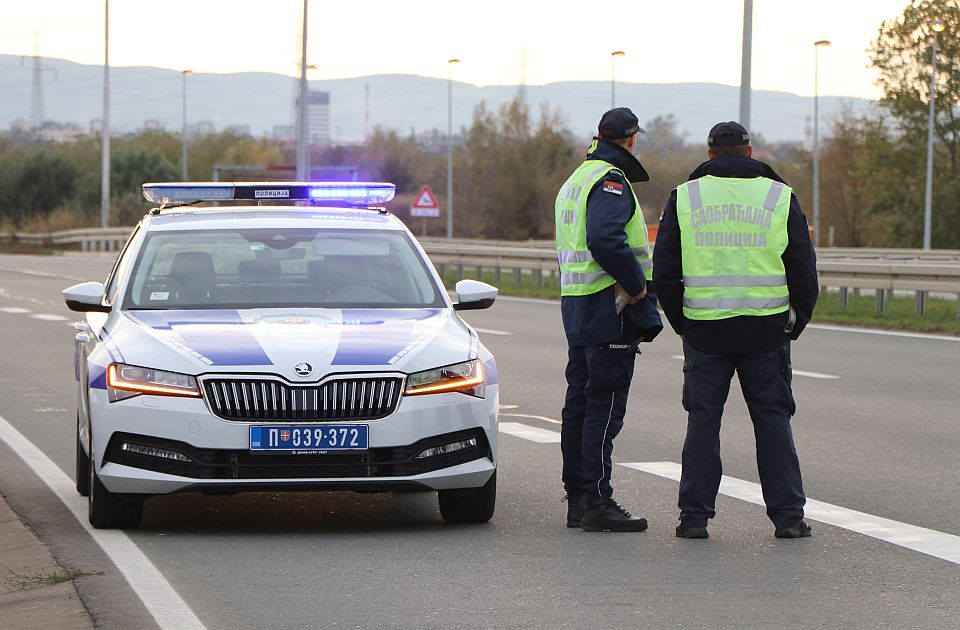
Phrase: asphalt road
pixel 882 438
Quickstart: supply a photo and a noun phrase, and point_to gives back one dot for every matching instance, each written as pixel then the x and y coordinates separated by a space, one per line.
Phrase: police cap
pixel 618 123
pixel 728 134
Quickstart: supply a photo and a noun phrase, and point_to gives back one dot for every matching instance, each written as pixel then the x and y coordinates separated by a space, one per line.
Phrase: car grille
pixel 272 400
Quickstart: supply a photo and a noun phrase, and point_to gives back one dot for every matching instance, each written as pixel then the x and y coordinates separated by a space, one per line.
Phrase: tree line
pixel 510 161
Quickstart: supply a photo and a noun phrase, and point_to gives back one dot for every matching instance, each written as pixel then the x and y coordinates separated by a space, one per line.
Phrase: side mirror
pixel 86 298
pixel 474 295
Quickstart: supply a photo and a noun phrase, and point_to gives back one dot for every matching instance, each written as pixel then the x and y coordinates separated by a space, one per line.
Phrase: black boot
pixel 574 509
pixel 606 515
pixel 800 530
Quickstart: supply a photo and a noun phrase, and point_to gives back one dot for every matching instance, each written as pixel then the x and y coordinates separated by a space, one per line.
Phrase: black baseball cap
pixel 618 123
pixel 728 134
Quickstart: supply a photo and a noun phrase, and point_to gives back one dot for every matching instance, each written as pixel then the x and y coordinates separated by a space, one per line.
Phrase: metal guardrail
pixel 881 270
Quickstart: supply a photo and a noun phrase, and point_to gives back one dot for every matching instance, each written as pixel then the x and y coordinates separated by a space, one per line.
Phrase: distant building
pixel 152 124
pixel 318 118
pixel 202 128
pixel 284 133
pixel 238 130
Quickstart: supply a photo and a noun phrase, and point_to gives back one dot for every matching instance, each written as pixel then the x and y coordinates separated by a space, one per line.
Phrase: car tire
pixel 83 466
pixel 474 505
pixel 106 510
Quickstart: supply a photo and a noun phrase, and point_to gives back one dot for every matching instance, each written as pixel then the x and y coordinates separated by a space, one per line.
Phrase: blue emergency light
pixel 364 194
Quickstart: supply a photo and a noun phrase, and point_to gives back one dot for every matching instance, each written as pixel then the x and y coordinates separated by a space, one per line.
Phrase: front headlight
pixel 466 378
pixel 126 381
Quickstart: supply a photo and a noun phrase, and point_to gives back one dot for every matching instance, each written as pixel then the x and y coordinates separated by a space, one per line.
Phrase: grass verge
pixel 899 313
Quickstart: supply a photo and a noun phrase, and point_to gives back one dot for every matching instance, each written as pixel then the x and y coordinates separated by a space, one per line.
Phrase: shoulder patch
pixel 612 187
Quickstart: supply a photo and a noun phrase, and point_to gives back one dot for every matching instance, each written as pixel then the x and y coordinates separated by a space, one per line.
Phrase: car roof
pixel 270 217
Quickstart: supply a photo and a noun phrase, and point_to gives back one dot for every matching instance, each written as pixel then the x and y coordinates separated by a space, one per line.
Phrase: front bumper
pixel 220 460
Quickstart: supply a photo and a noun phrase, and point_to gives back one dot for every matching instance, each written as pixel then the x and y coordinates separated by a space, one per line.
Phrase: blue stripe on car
pixel 369 337
pixel 96 376
pixel 220 336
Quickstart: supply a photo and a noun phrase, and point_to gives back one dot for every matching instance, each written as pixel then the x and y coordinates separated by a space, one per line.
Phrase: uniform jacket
pixel 592 319
pixel 743 334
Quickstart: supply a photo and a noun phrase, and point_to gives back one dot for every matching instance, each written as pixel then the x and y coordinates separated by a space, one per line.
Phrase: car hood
pixel 275 340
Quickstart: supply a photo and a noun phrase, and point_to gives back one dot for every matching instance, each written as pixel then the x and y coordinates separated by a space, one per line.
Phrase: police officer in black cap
pixel 736 276
pixel 603 254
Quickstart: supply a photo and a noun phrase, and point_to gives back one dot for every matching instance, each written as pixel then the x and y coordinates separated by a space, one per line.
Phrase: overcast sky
pixel 554 40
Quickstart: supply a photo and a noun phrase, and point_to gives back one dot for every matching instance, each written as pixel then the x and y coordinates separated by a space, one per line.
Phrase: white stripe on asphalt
pixel 43 274
pixel 534 434
pixel 527 415
pixel 156 593
pixel 490 331
pixel 926 541
pixel 888 333
pixel 14 310
pixel 795 372
pixel 47 317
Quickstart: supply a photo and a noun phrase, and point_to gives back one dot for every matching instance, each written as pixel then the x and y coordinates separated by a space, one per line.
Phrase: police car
pixel 280 348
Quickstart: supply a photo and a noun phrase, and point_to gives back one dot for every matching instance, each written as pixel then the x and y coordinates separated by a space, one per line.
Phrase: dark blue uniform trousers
pixel 766 383
pixel 598 380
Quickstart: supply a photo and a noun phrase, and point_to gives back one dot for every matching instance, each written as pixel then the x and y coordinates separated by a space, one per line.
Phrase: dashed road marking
pixel 527 415
pixel 490 331
pixel 534 434
pixel 47 317
pixel 926 541
pixel 14 310
pixel 795 372
pixel 887 333
pixel 167 607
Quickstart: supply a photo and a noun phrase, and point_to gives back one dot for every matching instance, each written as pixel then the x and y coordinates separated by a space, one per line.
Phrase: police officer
pixel 736 276
pixel 603 254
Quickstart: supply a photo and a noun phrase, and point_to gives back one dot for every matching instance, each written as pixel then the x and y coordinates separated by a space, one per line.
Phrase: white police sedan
pixel 280 348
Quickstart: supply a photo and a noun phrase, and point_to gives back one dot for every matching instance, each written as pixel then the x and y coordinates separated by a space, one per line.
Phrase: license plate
pixel 308 439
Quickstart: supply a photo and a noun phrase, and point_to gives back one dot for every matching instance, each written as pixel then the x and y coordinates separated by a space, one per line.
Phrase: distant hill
pixel 402 102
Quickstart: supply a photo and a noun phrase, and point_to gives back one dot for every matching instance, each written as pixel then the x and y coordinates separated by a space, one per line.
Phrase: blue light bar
pixel 368 193
pixel 350 193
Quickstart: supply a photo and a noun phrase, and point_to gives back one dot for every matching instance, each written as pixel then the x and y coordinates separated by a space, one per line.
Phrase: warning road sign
pixel 425 205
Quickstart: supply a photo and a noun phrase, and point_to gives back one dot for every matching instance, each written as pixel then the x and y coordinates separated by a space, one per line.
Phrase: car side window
pixel 120 267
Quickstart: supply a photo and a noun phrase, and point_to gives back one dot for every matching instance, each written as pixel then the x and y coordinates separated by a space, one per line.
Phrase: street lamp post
pixel 450 64
pixel 745 63
pixel 105 123
pixel 613 76
pixel 183 134
pixel 937 26
pixel 816 139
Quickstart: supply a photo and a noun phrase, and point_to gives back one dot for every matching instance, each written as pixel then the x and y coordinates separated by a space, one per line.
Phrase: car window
pixel 264 268
pixel 120 267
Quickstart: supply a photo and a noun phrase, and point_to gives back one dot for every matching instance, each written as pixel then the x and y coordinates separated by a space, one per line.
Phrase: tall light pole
pixel 183 134
pixel 937 26
pixel 450 64
pixel 303 155
pixel 105 132
pixel 816 139
pixel 613 76
pixel 745 64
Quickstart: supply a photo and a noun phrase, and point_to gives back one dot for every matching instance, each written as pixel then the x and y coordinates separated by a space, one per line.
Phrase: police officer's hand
pixel 620 291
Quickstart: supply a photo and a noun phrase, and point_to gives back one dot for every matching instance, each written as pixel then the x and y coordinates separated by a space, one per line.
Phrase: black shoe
pixel 691 531
pixel 800 530
pixel 574 510
pixel 606 515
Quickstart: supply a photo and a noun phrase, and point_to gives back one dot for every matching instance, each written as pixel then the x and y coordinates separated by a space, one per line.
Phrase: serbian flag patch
pixel 612 187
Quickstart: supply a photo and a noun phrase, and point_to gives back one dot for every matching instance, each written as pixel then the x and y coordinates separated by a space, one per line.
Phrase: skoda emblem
pixel 303 369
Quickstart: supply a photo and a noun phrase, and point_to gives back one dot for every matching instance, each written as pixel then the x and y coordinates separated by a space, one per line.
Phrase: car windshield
pixel 269 268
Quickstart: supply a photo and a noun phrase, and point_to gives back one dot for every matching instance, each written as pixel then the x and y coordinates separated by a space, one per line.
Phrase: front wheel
pixel 475 505
pixel 106 510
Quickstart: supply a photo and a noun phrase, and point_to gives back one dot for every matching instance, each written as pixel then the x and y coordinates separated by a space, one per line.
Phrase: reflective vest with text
pixel 733 233
pixel 580 274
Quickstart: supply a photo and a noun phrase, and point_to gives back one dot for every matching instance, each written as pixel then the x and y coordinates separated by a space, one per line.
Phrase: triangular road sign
pixel 426 199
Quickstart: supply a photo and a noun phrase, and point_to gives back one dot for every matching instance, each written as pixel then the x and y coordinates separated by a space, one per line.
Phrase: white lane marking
pixel 926 541
pixel 534 434
pixel 490 331
pixel 795 372
pixel 47 317
pixel 156 593
pixel 14 310
pixel 509 406
pixel 527 415
pixel 43 274
pixel 888 333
